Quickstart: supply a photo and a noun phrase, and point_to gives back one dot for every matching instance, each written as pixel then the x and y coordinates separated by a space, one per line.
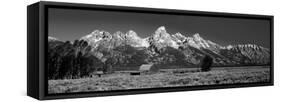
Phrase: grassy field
pixel 164 78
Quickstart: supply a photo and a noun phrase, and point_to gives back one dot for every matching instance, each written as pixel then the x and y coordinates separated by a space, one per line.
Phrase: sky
pixel 71 24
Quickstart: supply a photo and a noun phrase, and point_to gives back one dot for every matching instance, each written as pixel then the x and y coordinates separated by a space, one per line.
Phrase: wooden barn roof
pixel 145 67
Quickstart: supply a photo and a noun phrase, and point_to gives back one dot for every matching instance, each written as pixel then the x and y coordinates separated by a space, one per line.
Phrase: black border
pixel 43 20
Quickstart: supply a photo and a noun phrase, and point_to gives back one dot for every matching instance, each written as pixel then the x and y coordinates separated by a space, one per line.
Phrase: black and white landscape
pixel 91 51
pixel 103 61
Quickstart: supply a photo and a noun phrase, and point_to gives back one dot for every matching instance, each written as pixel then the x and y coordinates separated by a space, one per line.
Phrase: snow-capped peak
pixel 197 37
pixel 161 33
pixel 134 40
pixel 97 35
pixel 229 47
pixel 161 29
pixel 253 46
pixel 163 38
pixel 178 34
pixel 179 38
pixel 246 47
pixel 199 42
pixel 131 33
pixel 119 35
pixel 52 38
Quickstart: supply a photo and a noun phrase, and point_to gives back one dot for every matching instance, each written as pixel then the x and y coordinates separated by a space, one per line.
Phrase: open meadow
pixel 122 80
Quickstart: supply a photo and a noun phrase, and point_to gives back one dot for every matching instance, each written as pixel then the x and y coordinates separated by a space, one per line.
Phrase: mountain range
pixel 164 48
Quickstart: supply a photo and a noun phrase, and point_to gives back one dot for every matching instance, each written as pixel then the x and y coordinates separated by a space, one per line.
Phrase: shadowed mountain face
pixel 167 49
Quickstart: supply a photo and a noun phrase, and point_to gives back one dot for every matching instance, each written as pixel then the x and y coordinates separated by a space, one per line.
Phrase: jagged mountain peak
pixel 52 38
pixel 162 38
pixel 200 43
pixel 96 32
pixel 161 28
pixel 179 38
pixel 197 36
pixel 100 32
pixel 132 33
pixel 197 41
pixel 134 40
pixel 97 35
pixel 254 53
pixel 161 33
pixel 246 47
pixel 178 34
pixel 118 35
pixel 253 46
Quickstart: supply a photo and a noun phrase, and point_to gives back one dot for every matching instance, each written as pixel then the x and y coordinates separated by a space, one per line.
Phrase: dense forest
pixel 66 60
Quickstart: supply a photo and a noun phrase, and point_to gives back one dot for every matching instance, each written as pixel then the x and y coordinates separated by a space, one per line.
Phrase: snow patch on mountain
pixel 179 38
pixel 134 40
pixel 96 36
pixel 163 39
pixel 52 38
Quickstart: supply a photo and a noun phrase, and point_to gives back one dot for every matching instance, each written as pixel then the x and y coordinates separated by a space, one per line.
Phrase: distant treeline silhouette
pixel 66 60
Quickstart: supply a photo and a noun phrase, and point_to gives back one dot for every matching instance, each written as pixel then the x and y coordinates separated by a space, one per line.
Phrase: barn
pixel 98 73
pixel 145 69
pixel 148 68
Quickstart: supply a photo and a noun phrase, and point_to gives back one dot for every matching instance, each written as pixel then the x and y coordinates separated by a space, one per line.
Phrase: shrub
pixel 206 63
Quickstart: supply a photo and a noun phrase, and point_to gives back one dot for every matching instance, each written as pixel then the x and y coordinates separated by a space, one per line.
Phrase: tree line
pixel 66 60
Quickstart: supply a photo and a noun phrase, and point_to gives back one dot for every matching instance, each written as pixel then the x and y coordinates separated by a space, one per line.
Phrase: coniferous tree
pixel 206 63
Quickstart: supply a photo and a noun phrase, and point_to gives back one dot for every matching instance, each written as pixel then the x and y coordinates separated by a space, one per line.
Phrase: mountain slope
pixel 162 39
pixel 164 48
